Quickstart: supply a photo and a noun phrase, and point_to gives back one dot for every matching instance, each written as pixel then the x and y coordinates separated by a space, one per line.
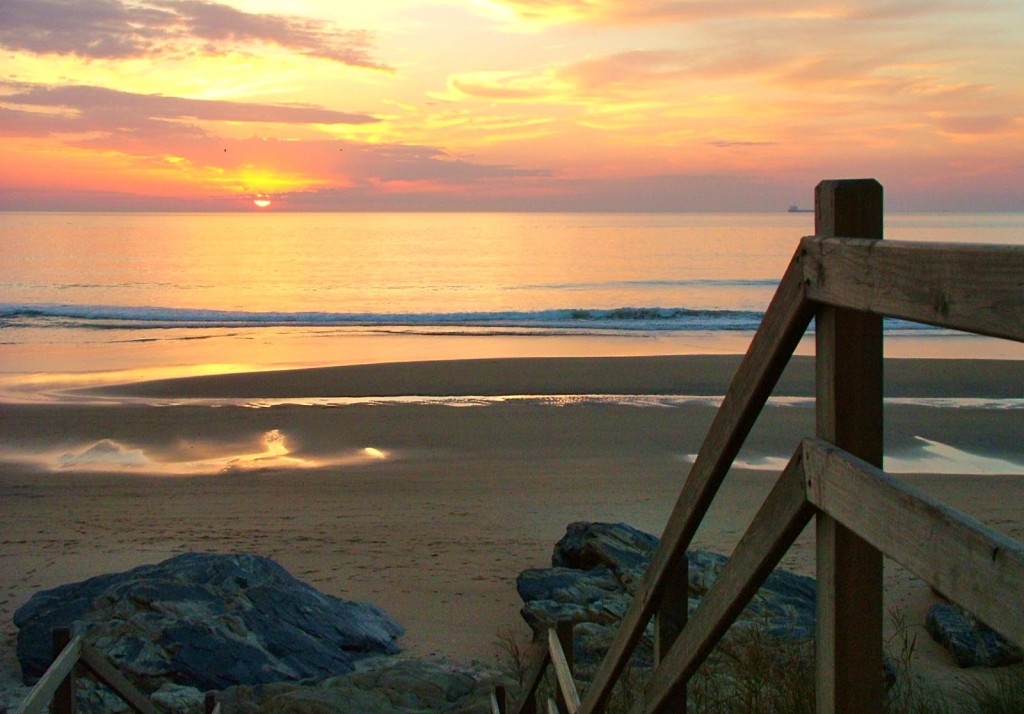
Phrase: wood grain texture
pixel 975 288
pixel 780 331
pixel 563 673
pixel 118 683
pixel 528 696
pixel 669 621
pixel 43 691
pixel 965 560
pixel 849 391
pixel 778 523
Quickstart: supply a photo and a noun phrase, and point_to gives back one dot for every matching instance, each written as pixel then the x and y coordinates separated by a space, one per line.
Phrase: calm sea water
pixel 119 291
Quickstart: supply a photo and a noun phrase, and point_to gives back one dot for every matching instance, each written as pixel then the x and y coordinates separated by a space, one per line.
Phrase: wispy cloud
pixel 119 29
pixel 30 111
pixel 658 11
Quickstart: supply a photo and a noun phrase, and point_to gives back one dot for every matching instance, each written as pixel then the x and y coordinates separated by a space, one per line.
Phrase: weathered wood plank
pixel 563 673
pixel 963 559
pixel 849 390
pixel 975 288
pixel 118 683
pixel 528 693
pixel 42 693
pixel 670 619
pixel 64 701
pixel 778 523
pixel 780 331
pixel 499 700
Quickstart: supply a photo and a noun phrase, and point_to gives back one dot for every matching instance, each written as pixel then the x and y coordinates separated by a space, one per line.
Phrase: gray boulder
pixel 383 686
pixel 207 621
pixel 596 570
pixel 971 642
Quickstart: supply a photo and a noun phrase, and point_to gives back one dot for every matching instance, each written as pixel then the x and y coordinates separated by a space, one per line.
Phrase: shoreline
pixel 459 501
pixel 658 374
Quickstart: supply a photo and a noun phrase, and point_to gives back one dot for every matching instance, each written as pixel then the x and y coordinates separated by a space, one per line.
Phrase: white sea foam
pixel 929 457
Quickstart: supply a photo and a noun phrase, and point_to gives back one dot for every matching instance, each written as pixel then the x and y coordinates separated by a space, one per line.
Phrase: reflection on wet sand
pixel 108 455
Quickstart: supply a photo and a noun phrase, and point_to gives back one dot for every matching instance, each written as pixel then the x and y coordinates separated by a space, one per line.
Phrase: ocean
pixel 93 293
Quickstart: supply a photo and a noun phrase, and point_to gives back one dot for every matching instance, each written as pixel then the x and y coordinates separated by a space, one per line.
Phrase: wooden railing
pixel 58 683
pixel 846 278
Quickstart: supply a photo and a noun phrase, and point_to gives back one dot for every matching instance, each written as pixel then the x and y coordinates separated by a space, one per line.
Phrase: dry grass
pixel 749 673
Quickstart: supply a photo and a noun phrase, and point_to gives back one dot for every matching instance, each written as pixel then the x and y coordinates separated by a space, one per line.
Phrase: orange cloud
pixel 654 11
pixel 121 29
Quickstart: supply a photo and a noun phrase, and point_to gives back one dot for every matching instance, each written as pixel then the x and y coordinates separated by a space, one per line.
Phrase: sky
pixel 621 105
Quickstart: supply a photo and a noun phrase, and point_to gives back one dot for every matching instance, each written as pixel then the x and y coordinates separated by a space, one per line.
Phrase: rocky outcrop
pixel 971 642
pixel 382 685
pixel 207 621
pixel 595 571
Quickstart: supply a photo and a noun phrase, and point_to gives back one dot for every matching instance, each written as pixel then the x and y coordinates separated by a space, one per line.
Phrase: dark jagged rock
pixel 382 686
pixel 596 569
pixel 208 621
pixel 619 547
pixel 971 642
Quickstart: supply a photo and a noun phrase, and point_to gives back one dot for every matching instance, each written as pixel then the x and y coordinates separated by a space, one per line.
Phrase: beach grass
pixel 751 673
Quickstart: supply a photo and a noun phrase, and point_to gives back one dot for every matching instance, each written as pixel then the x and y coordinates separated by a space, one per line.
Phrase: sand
pixel 430 508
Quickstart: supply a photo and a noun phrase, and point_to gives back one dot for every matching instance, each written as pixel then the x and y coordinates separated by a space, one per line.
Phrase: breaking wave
pixel 576 320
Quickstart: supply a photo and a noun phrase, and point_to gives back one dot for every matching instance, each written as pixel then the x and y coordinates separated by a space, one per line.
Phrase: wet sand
pixel 431 509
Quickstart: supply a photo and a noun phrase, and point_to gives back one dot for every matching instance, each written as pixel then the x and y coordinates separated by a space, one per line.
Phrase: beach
pixel 426 487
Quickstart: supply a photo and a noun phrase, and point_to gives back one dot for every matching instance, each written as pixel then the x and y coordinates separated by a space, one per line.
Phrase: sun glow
pixel 262 200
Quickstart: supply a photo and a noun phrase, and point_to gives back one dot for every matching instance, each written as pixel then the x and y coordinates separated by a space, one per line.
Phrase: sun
pixel 262 200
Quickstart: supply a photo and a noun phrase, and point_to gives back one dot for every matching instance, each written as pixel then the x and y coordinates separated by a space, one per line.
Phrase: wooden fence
pixel 846 278
pixel 72 657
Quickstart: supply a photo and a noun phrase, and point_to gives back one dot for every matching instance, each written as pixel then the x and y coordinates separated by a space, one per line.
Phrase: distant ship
pixel 793 208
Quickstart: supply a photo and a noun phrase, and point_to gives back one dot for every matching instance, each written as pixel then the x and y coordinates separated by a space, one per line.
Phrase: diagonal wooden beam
pixel 783 325
pixel 118 683
pixel 41 694
pixel 780 520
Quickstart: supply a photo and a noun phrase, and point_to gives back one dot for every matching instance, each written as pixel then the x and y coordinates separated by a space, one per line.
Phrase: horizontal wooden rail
pixel 848 283
pixel 974 288
pixel 965 560
pixel 783 516
pixel 780 331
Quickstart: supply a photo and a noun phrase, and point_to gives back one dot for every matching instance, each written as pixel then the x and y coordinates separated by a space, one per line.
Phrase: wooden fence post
pixel 563 630
pixel 849 364
pixel 501 697
pixel 669 620
pixel 64 697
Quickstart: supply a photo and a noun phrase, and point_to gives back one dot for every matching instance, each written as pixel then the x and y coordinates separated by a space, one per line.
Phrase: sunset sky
pixel 508 104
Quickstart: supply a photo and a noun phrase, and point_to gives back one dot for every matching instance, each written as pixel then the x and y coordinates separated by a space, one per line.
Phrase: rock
pixel 617 546
pixel 383 686
pixel 597 567
pixel 591 595
pixel 206 621
pixel 178 699
pixel 971 642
